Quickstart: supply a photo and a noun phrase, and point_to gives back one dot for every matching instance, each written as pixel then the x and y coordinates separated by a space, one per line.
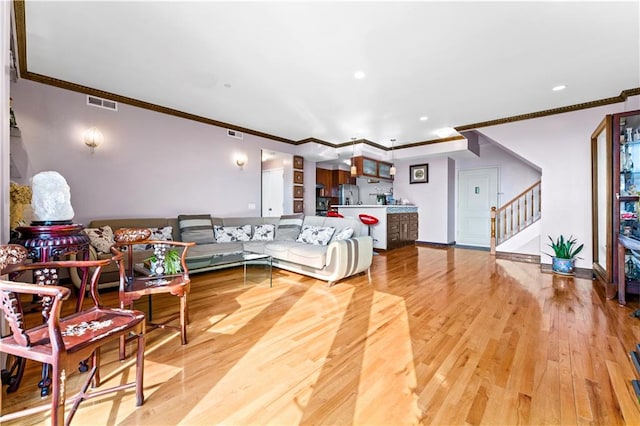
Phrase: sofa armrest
pixel 349 257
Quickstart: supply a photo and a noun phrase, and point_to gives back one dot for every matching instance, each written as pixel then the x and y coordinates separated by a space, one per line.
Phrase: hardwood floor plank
pixel 440 336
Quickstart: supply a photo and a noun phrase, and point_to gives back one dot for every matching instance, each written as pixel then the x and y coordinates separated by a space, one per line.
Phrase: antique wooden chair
pixel 138 277
pixel 63 342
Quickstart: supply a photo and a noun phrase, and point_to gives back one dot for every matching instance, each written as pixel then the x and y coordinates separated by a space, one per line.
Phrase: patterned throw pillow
pixel 344 234
pixel 101 238
pixel 316 235
pixel 196 228
pixel 289 227
pixel 159 234
pixel 228 234
pixel 264 232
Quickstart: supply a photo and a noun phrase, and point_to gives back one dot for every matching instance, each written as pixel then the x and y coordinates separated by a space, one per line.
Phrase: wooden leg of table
pixel 183 318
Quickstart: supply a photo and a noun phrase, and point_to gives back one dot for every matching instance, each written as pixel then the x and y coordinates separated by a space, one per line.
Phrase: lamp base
pixel 50 222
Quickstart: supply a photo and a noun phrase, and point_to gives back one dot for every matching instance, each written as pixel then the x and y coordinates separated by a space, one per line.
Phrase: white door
pixel 477 193
pixel 272 193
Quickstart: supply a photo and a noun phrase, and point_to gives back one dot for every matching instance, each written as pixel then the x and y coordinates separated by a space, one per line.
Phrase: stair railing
pixel 520 212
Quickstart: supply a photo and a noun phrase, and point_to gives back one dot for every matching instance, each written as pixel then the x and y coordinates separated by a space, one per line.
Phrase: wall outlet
pixel 252 206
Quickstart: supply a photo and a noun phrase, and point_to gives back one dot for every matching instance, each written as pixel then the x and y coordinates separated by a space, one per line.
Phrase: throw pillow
pixel 196 228
pixel 158 234
pixel 344 234
pixel 316 235
pixel 264 232
pixel 289 227
pixel 101 238
pixel 228 234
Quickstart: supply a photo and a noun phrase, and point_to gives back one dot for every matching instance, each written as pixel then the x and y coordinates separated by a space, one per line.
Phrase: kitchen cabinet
pixel 368 167
pixel 402 229
pixel 329 181
pixel 615 154
pixel 397 225
pixel 384 170
pixel 344 177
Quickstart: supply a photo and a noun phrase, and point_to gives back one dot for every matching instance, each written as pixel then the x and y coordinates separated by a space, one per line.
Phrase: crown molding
pixel 24 73
pixel 622 97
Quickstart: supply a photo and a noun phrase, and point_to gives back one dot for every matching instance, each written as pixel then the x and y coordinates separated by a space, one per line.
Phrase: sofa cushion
pixel 228 234
pixel 264 232
pixel 289 227
pixel 101 238
pixel 200 255
pixel 343 234
pixel 279 249
pixel 213 249
pixel 255 246
pixel 316 235
pixel 196 228
pixel 314 256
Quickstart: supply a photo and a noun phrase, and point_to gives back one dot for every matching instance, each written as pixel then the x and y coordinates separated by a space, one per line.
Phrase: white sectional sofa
pixel 338 259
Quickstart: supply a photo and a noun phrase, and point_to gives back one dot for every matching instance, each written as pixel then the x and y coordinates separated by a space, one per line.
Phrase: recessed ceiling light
pixel 559 87
pixel 424 118
pixel 359 75
pixel 445 132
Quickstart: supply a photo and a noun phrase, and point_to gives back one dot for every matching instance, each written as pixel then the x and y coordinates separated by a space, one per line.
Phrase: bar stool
pixel 333 213
pixel 369 221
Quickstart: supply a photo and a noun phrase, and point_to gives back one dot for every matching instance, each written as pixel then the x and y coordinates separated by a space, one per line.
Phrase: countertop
pixel 391 208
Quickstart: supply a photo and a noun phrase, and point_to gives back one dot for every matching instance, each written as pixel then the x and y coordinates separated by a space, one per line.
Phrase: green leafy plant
pixel 171 261
pixel 565 248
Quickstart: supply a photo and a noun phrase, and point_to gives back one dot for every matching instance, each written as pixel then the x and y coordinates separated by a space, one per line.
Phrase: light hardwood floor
pixel 441 336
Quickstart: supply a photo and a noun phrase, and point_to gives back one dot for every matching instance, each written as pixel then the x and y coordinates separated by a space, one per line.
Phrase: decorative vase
pixel 564 266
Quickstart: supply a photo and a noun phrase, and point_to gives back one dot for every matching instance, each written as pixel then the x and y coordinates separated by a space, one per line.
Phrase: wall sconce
pixel 241 160
pixel 92 138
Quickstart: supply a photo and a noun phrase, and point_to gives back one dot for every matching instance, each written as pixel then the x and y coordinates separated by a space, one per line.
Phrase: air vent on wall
pixel 235 134
pixel 102 103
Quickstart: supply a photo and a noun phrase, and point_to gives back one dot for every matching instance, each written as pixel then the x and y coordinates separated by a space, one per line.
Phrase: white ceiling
pixel 287 68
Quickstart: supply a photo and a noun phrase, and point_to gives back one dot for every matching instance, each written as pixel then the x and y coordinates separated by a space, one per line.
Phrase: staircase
pixel 515 216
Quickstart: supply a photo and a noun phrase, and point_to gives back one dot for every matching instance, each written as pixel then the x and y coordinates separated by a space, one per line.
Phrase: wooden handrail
pixel 505 205
pixel 503 226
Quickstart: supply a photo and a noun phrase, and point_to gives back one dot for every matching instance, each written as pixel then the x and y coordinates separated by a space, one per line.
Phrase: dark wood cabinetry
pixel 615 153
pixel 402 229
pixel 330 180
pixel 369 167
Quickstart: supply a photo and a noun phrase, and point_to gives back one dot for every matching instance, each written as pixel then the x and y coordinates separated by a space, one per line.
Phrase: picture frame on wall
pixel 419 173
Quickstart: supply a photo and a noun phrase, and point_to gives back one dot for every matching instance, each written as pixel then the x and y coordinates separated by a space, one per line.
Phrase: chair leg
pixel 96 365
pixel 140 369
pixel 123 350
pixel 58 394
pixel 183 319
pixel 369 274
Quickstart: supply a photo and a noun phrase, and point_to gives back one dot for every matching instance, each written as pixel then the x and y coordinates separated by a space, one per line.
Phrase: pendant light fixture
pixel 354 169
pixel 392 170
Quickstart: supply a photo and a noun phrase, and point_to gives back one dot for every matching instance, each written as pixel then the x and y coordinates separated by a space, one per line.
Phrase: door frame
pixel 459 210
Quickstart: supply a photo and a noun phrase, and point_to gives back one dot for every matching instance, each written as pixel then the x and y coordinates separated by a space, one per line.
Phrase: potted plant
pixel 566 250
pixel 171 265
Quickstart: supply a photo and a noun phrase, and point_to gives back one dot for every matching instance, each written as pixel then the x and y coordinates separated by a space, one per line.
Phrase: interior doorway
pixel 477 193
pixel 272 193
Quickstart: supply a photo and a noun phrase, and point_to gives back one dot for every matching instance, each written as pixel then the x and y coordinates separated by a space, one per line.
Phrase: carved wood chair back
pixel 63 342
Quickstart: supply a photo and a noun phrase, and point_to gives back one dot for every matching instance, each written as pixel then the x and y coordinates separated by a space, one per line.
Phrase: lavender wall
pixel 150 164
pixel 561 146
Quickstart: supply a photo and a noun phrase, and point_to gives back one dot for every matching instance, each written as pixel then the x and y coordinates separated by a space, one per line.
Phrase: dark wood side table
pixel 46 243
pixel 50 242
